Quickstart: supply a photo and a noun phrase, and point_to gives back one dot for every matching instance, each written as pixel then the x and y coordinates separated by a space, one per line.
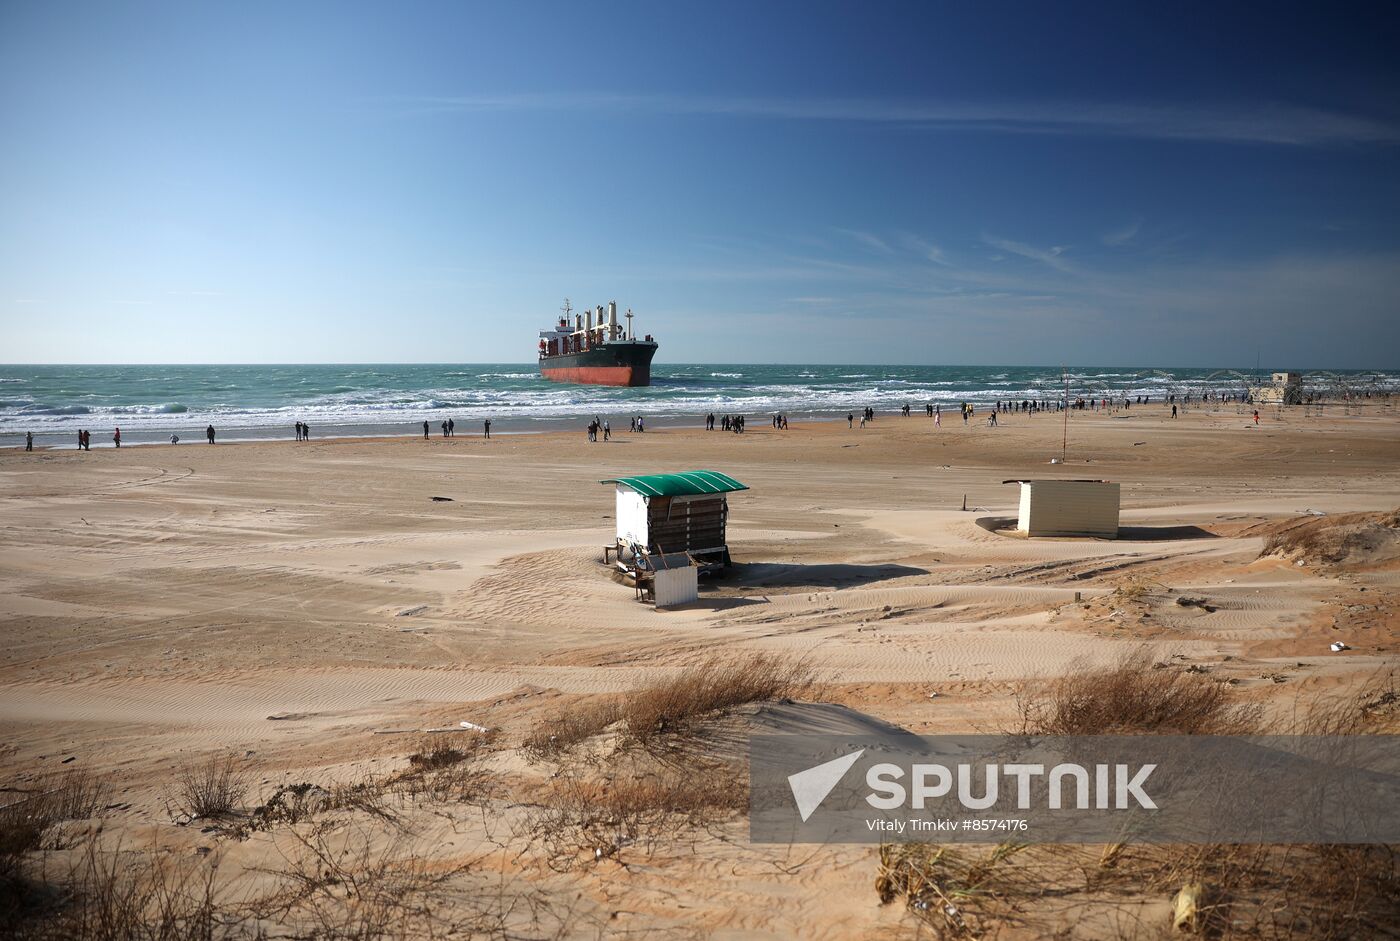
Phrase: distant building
pixel 1068 508
pixel 1284 388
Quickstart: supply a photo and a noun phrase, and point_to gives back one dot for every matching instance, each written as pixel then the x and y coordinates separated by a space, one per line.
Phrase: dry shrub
pixel 1347 538
pixel 24 824
pixel 561 733
pixel 290 804
pixel 593 818
pixel 72 795
pixel 130 896
pixel 1271 891
pixel 447 769
pixel 1250 891
pixel 1133 697
pixel 1374 709
pixel 675 707
pixel 957 893
pixel 342 882
pixel 210 789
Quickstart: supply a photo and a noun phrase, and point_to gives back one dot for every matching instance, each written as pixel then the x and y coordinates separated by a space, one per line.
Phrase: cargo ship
pixel 592 348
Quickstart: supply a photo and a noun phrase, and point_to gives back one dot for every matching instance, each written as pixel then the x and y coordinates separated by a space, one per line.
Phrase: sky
pixel 960 183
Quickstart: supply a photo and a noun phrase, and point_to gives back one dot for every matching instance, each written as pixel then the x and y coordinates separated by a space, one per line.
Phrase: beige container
pixel 1069 508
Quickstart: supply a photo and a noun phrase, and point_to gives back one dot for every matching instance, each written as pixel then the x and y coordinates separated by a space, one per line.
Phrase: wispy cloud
pixel 1122 236
pixel 926 250
pixel 1260 123
pixel 869 240
pixel 1048 256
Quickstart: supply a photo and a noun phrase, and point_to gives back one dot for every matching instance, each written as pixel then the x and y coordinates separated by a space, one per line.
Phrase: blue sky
pixel 761 182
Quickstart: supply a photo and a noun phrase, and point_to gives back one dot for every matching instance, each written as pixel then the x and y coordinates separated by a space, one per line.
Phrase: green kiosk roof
pixel 684 484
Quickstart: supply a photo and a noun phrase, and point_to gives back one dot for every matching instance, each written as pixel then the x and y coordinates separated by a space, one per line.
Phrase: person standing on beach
pixel 849 419
pixel 444 429
pixel 298 430
pixel 117 437
pixel 487 428
pixel 1256 416
pixel 29 441
pixel 174 439
pixel 425 431
pixel 209 433
pixel 451 428
pixel 1173 410
pixel 607 431
pixel 305 431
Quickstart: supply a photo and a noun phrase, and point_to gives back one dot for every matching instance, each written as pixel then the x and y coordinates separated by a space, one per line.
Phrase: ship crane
pixel 630 334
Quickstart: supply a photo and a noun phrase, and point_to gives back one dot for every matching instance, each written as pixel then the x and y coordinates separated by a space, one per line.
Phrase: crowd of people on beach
pixel 599 429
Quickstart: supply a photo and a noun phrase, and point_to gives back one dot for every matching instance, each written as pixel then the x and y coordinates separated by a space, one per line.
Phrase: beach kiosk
pixel 1068 508
pixel 660 516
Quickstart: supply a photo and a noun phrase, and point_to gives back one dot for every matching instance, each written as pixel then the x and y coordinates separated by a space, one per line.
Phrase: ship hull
pixel 611 364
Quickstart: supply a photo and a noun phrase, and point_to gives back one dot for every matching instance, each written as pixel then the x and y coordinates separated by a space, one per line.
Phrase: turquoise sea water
pixel 151 402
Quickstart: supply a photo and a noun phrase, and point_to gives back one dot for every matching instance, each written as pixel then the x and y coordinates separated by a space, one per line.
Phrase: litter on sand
pixel 1338 647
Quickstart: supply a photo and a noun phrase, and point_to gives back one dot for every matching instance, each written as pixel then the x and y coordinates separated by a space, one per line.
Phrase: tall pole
pixel 1064 440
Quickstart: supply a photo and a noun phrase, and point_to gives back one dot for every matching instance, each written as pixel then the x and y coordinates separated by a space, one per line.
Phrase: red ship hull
pixel 592 375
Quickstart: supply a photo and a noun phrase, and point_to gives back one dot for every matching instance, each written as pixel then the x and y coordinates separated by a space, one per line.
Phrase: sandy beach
pixel 305 606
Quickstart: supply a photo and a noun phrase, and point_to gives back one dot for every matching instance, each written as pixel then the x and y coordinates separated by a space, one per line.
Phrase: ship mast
pixel 565 311
pixel 630 334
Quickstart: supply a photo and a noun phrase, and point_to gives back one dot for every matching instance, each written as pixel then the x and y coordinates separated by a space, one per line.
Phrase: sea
pixel 151 403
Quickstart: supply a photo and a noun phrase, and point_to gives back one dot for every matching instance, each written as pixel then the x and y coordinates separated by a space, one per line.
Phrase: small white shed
pixel 1069 508
pixel 670 513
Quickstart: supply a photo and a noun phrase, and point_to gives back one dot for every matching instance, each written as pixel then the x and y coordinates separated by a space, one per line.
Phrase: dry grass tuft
pixel 675 707
pixel 672 709
pixel 211 789
pixel 1132 697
